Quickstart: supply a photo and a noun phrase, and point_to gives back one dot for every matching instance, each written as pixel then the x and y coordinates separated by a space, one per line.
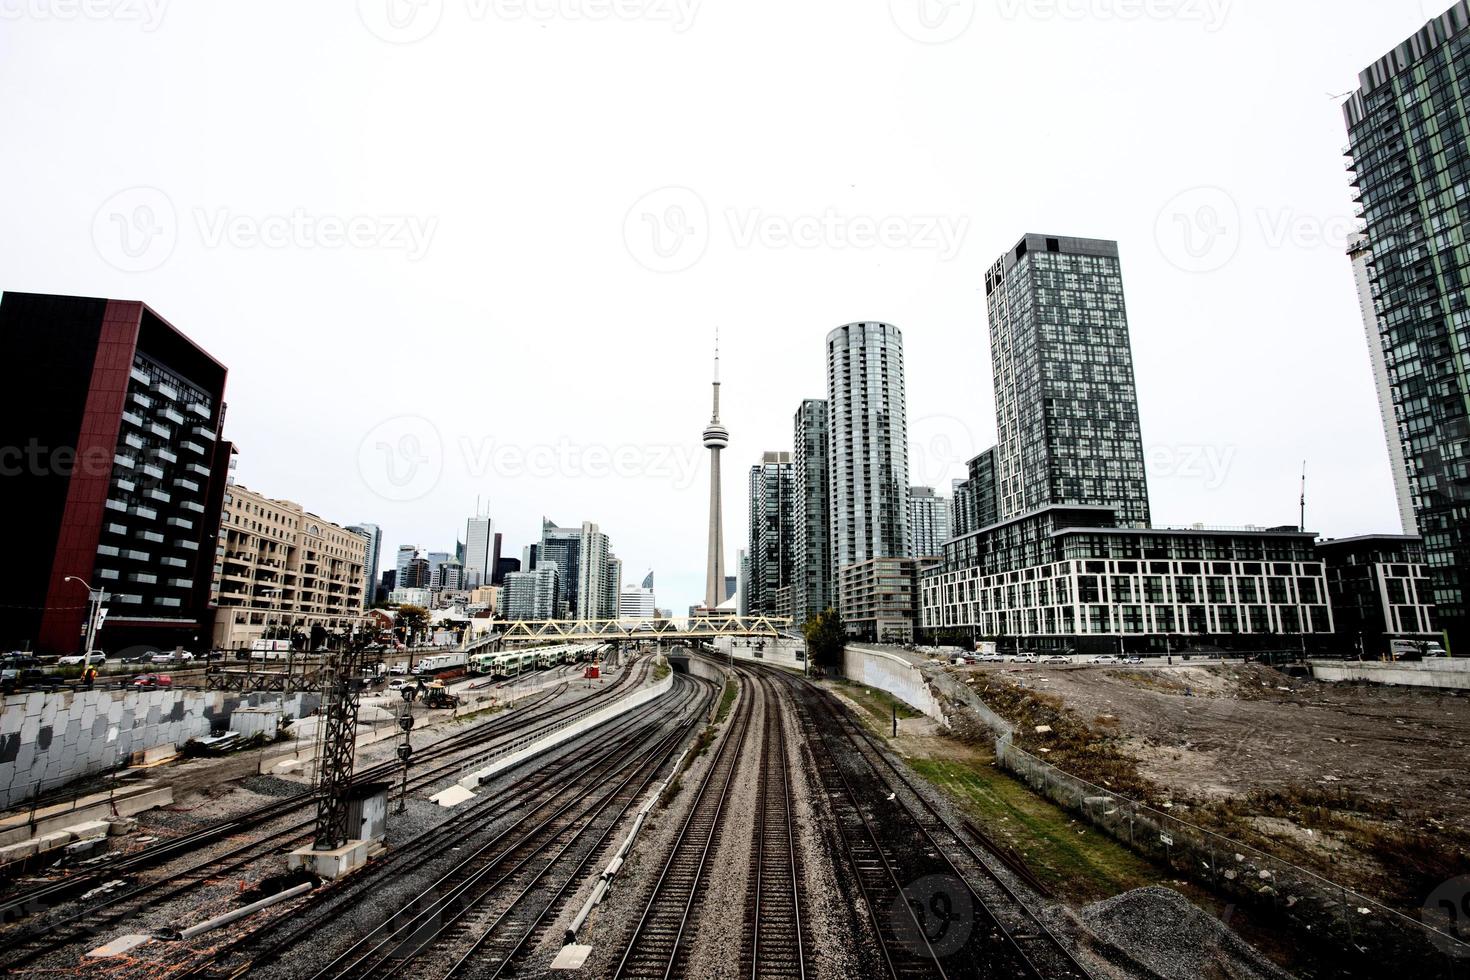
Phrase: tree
pixel 412 621
pixel 826 637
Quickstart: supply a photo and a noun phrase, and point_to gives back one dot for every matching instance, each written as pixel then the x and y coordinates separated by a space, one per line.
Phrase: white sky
pixel 504 292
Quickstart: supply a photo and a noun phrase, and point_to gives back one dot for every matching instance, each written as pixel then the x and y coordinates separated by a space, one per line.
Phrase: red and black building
pixel 114 472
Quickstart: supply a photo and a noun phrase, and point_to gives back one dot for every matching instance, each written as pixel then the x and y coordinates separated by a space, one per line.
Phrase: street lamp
pixel 95 598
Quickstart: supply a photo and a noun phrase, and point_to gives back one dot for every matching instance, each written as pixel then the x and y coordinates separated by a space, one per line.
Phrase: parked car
pixel 992 658
pixel 1135 659
pixel 1057 658
pixel 397 684
pixel 1107 658
pixel 96 658
pixel 150 682
pixel 15 678
pixel 1027 658
pixel 399 669
pixel 19 660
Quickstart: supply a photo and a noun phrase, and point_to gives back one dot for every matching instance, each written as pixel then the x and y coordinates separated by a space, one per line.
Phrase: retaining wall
pixel 49 739
pixel 1446 674
pixel 892 673
pixel 780 653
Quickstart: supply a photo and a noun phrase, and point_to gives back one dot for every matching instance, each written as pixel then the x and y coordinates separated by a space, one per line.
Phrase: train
pixel 516 662
pixel 435 663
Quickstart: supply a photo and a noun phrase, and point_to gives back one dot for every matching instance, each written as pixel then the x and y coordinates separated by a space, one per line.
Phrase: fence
pixel 1364 930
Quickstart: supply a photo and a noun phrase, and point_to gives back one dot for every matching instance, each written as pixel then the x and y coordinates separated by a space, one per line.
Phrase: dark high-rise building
pixel 771 531
pixel 113 436
pixel 503 567
pixel 417 574
pixel 1408 125
pixel 374 535
pixel 390 582
pixel 563 545
pixel 811 575
pixel 1066 402
pixel 732 583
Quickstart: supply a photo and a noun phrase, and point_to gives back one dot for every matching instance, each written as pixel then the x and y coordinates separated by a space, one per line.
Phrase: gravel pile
pixel 1164 932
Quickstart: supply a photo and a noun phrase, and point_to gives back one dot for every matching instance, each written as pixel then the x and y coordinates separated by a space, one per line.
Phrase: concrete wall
pixel 778 653
pixel 1445 674
pixel 48 740
pixel 892 673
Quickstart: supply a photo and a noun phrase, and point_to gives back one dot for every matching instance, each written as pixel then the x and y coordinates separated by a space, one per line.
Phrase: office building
pixel 406 554
pixel 1381 591
pixel 528 557
pixel 771 533
pixel 811 562
pixel 742 583
pixel 503 567
pixel 280 566
pixel 479 551
pixel 532 595
pixel 612 587
pixel 562 547
pixel 450 577
pixel 928 522
pixel 732 582
pixel 1408 125
pixel 415 575
pixel 374 536
pixel 1066 402
pixel 592 573
pixel 636 602
pixel 115 419
pixel 388 583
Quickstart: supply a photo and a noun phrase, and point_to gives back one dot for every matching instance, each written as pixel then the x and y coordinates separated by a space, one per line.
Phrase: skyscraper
pixel 374 535
pixel 811 572
pixel 771 532
pixel 928 522
pixel 716 438
pixel 479 551
pixel 532 595
pixel 121 416
pixel 1408 124
pixel 592 572
pixel 612 587
pixel 406 554
pixel 867 444
pixel 562 546
pixel 1066 403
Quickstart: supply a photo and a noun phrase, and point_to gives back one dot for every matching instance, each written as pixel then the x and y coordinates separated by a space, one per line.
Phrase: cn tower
pixel 716 437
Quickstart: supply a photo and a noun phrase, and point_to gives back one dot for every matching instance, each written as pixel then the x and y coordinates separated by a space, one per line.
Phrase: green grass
pixel 661 670
pixel 878 705
pixel 726 700
pixel 1079 863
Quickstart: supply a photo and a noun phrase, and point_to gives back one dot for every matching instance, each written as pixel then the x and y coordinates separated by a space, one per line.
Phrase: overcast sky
pixel 451 248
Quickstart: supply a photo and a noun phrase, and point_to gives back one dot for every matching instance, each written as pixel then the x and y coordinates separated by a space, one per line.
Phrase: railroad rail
pixel 774 947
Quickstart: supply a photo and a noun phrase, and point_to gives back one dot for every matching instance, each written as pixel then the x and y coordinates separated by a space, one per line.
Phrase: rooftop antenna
pixel 1304 498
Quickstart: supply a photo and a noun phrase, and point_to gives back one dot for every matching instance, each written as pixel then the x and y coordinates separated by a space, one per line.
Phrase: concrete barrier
pixel 515 754
pixel 778 653
pixel 50 739
pixel 894 674
pixel 1446 674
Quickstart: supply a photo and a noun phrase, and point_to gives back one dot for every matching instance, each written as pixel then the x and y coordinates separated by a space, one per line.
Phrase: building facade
pixel 562 547
pixel 374 536
pixel 1066 402
pixel 928 522
pixel 281 567
pixel 1381 591
pixel 811 565
pixel 532 596
pixel 117 468
pixel 867 444
pixel 772 535
pixel 592 573
pixel 880 599
pixel 480 551
pixel 636 602
pixel 1408 125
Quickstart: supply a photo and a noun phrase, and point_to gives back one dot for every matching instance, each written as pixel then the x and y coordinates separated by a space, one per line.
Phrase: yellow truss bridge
pixel 693 628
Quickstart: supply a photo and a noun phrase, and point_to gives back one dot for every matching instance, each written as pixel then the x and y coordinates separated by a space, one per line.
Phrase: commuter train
pixel 438 662
pixel 516 662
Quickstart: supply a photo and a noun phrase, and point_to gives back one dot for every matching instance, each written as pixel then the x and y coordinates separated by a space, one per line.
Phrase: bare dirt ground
pixel 1349 778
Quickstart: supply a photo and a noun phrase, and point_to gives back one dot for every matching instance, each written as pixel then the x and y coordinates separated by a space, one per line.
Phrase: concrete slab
pixel 90 829
pixel 453 796
pixel 331 864
pixel 571 957
pixel 119 946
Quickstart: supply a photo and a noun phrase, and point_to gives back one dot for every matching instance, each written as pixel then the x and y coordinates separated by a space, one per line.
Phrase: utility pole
pixel 338 746
pixel 95 598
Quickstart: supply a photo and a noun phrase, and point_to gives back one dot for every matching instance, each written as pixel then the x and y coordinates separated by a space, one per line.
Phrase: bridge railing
pixel 694 627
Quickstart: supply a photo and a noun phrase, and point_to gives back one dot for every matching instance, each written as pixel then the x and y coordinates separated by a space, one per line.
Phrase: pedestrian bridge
pixel 689 628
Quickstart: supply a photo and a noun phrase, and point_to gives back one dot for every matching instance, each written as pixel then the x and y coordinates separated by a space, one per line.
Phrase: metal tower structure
pixel 716 438
pixel 336 746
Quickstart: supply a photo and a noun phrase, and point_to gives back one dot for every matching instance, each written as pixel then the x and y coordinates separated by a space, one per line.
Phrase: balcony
pixel 140 376
pixel 147 513
pixel 133 419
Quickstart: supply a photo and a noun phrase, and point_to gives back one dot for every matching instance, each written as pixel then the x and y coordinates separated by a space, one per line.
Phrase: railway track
pixel 480 914
pixel 774 945
pixel 126 903
pixel 930 918
pixel 659 941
